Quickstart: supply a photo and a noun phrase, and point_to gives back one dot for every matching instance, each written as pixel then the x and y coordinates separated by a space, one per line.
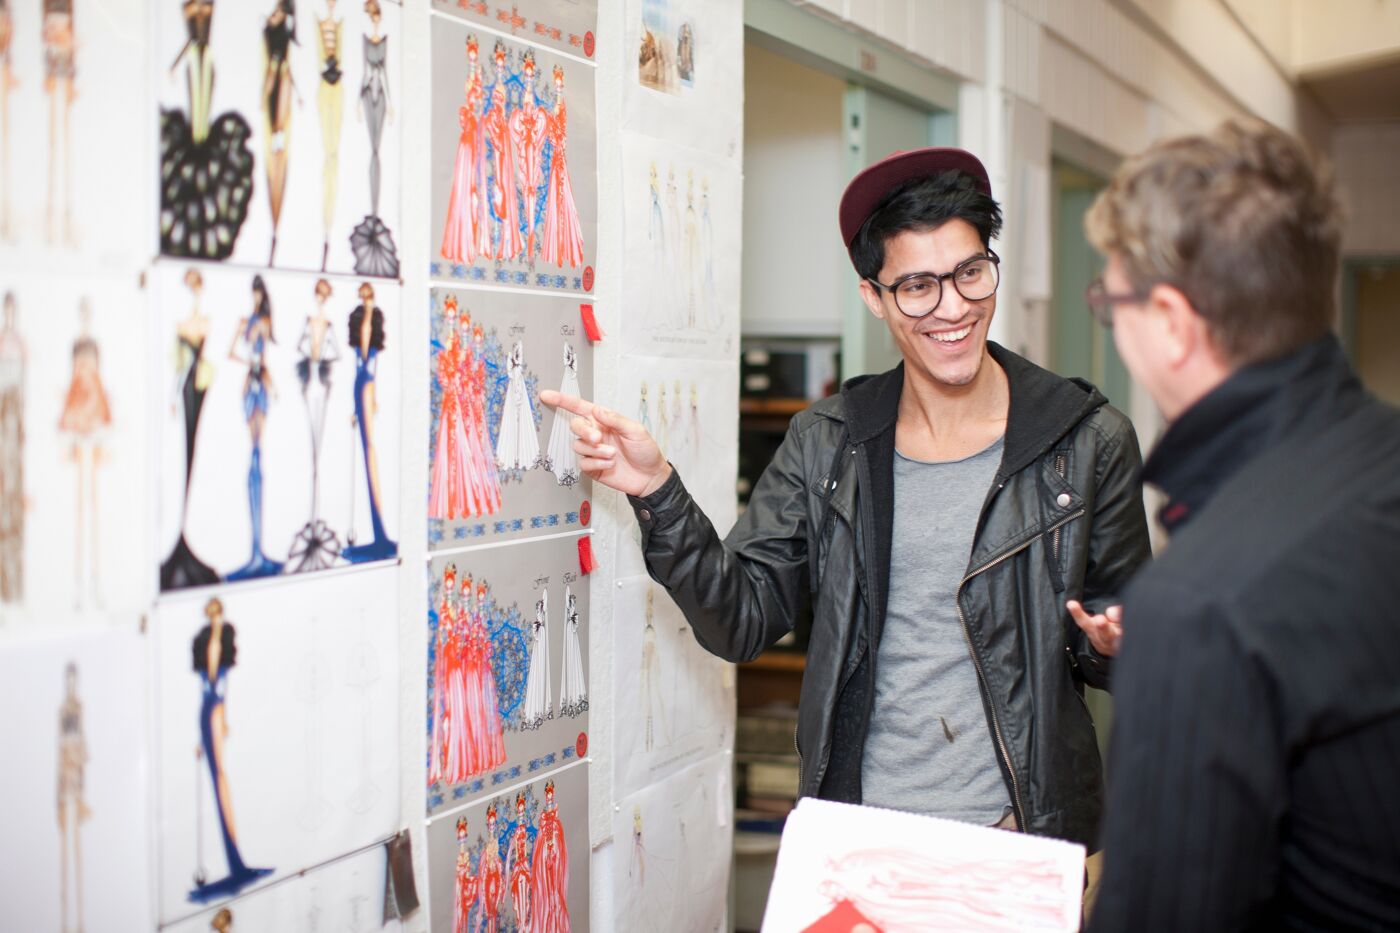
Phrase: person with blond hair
pixel 1256 734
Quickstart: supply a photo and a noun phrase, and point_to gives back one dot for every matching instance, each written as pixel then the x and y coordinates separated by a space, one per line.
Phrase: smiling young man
pixel 934 520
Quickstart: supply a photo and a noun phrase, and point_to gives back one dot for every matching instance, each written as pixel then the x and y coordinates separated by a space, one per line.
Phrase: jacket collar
pixel 1245 415
pixel 1044 406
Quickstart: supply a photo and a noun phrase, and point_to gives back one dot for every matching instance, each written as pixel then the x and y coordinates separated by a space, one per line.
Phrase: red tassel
pixel 586 563
pixel 590 323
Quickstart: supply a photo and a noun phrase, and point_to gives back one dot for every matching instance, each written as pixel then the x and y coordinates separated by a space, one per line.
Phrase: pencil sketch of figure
pixel 650 670
pixel 8 82
pixel 86 415
pixel 13 357
pixel 72 805
pixel 59 73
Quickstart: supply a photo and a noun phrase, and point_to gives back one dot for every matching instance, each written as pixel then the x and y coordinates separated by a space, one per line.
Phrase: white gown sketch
pixel 315 546
pixel 562 461
pixel 517 446
pixel 573 691
pixel 539 706
pixel 692 256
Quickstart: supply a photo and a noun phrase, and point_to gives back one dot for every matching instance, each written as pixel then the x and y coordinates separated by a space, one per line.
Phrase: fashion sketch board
pixel 898 871
pixel 684 73
pixel 562 25
pixel 70 123
pixel 501 464
pixel 514 166
pixel 278 731
pixel 346 896
pixel 675 700
pixel 507 684
pixel 691 408
pixel 73 853
pixel 73 447
pixel 515 861
pixel 279 422
pixel 673 842
pixel 278 140
pixel 681 290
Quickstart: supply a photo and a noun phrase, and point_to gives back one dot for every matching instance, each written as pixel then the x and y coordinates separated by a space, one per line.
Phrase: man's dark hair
pixel 923 204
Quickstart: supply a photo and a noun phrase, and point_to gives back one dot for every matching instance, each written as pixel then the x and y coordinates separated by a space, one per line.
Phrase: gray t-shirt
pixel 929 748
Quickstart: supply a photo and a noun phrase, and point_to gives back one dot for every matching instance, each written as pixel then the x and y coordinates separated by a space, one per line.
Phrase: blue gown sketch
pixel 215 652
pixel 254 336
pixel 366 340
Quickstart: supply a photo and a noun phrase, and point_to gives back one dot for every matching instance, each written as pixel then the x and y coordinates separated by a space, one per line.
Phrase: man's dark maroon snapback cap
pixel 875 182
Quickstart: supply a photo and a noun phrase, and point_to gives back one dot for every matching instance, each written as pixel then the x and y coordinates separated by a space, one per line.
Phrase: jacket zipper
pixel 1055 535
pixel 982 677
pixel 797 748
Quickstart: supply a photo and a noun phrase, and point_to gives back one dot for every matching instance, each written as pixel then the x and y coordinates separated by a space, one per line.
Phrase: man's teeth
pixel 952 336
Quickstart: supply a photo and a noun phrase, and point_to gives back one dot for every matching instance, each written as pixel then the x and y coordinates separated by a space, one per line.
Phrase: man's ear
pixel 871 297
pixel 1183 333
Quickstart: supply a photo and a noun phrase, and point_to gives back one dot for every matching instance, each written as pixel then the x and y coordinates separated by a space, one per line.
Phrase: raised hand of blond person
pixel 616 451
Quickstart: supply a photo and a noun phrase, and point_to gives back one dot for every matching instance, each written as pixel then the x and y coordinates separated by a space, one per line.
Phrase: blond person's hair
pixel 1244 221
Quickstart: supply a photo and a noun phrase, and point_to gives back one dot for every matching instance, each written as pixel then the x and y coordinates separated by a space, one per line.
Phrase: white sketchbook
pixel 842 866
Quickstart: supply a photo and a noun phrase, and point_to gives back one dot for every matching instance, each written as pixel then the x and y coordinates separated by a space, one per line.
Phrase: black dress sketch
pixel 372 242
pixel 193 374
pixel 279 34
pixel 206 169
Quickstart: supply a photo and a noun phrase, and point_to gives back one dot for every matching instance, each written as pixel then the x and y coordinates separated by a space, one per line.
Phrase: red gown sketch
pixel 518 867
pixel 491 876
pixel 563 236
pixel 482 475
pixel 449 495
pixel 484 733
pixel 503 188
pixel 529 126
pixel 444 667
pixel 549 906
pixel 467 232
pixel 465 891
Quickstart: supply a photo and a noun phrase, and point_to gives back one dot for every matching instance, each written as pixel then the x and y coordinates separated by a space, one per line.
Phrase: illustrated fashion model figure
pixel 573 692
pixel 215 651
pixel 367 340
pixel 73 809
pixel 539 705
pixel 549 904
pixel 193 375
pixel 529 128
pixel 644 409
pixel 250 342
pixel 467 232
pixel 707 250
pixel 330 102
pixel 315 546
pixel 13 362
pixel 517 445
pixel 563 236
pixel 561 460
pixel 206 168
pixel 279 34
pixel 491 875
pixel 651 686
pixel 8 82
pixel 518 866
pixel 371 242
pixel 637 866
pixel 656 223
pixel 692 251
pixel 60 70
pixel 663 420
pixel 86 414
pixel 449 692
pixel 673 248
pixel 464 482
pixel 464 892
pixel 485 730
pixel 504 196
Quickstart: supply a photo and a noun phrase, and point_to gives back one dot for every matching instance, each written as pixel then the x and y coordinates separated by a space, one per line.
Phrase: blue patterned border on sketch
pixel 480 273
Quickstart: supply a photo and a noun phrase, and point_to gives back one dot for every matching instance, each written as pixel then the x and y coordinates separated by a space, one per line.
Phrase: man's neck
pixel 942 422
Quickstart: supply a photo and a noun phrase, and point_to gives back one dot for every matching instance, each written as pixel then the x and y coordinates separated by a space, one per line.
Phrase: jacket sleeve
pixel 1197 772
pixel 1118 541
pixel 743 594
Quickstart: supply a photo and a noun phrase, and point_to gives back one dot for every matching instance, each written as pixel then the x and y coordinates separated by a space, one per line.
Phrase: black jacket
pixel 1256 732
pixel 1063 519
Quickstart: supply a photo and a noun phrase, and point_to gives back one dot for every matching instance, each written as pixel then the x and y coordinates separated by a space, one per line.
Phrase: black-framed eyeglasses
pixel 920 293
pixel 1101 301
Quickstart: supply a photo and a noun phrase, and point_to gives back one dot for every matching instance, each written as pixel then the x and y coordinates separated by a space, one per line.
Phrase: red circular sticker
pixel 581 746
pixel 588 44
pixel 585 512
pixel 588 278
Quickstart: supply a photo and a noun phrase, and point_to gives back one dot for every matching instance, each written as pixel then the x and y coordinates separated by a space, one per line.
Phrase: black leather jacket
pixel 1063 519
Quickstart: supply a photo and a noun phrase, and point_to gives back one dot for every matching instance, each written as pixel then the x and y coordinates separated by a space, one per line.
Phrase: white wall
pixel 792 144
